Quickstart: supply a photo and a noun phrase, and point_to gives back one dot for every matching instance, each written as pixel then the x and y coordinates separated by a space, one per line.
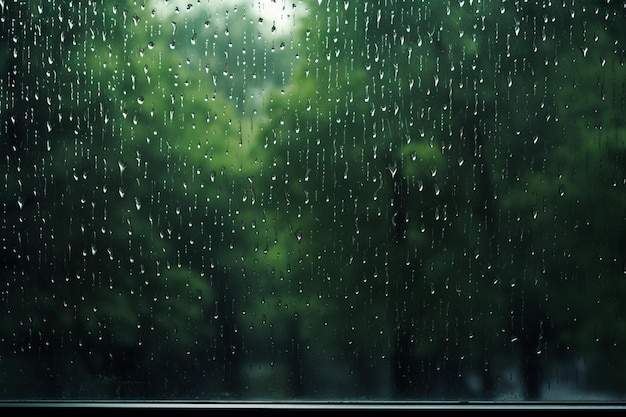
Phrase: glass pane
pixel 313 200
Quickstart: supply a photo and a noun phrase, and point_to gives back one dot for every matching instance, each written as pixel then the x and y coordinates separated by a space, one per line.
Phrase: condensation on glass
pixel 313 200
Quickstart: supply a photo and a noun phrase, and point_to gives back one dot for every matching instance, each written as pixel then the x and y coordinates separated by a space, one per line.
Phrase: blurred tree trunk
pixel 229 349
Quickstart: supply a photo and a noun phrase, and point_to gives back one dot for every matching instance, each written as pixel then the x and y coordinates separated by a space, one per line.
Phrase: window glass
pixel 313 200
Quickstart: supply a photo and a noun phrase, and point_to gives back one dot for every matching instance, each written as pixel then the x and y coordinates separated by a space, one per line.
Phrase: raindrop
pixel 584 51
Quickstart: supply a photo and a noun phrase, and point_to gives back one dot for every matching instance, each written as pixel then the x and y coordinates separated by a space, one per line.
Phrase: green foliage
pixel 454 120
pixel 118 198
pixel 422 192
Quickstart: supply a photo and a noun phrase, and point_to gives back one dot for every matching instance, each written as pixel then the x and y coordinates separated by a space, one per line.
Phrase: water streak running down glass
pixel 326 200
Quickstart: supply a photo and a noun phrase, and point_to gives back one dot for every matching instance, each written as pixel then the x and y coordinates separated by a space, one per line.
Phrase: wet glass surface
pixel 270 200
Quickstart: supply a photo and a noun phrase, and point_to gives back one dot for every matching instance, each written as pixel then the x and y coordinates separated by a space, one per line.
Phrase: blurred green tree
pixel 422 195
pixel 420 161
pixel 124 173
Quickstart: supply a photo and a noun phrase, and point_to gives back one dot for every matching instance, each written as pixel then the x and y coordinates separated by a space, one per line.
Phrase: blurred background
pixel 313 200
